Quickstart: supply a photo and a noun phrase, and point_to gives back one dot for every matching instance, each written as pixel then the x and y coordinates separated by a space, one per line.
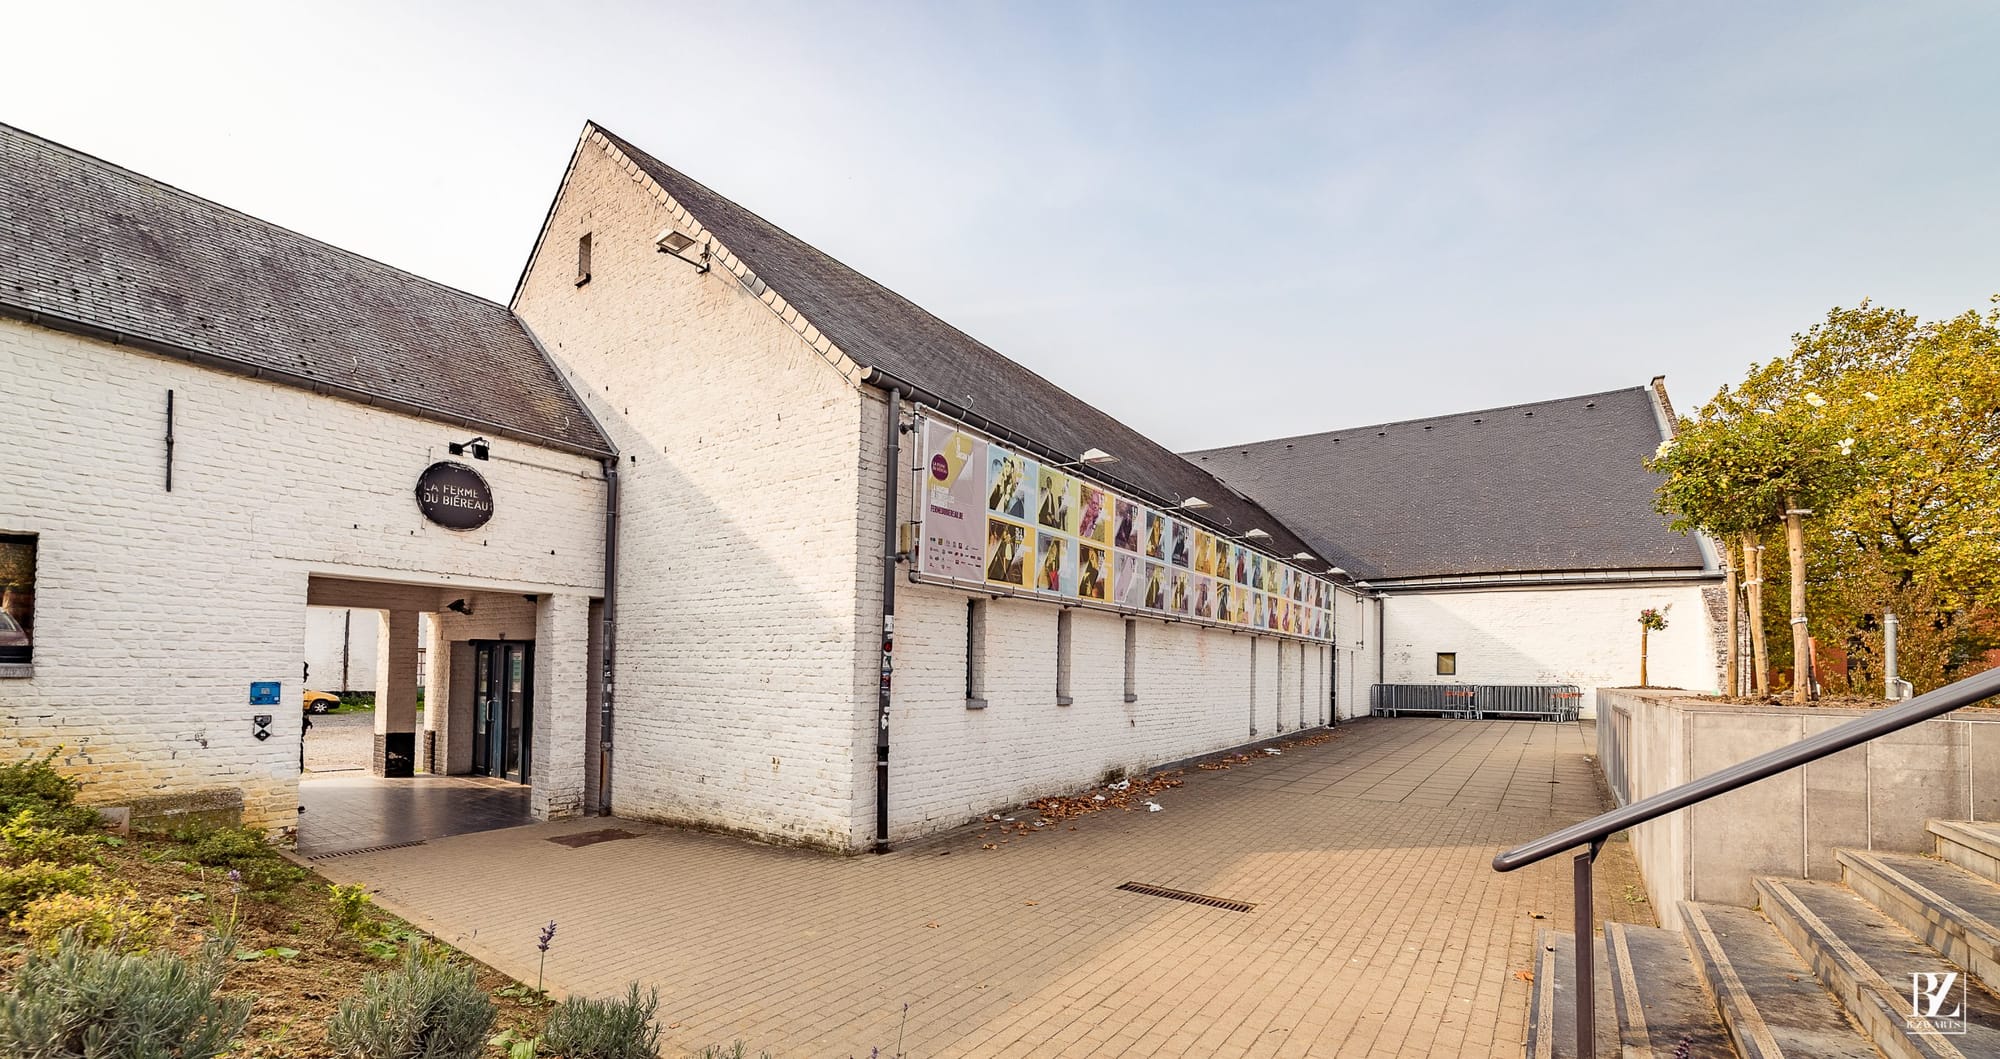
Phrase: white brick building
pixel 690 417
pixel 1507 546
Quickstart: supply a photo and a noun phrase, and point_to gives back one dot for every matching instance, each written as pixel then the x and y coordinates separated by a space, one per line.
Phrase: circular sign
pixel 454 496
pixel 940 470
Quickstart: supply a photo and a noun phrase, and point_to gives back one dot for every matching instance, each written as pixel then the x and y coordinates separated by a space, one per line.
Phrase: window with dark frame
pixel 17 598
pixel 975 654
pixel 583 259
pixel 1447 663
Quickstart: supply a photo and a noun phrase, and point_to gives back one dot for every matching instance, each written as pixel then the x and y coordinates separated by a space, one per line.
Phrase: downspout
pixel 1333 683
pixel 1381 639
pixel 890 542
pixel 1333 663
pixel 608 619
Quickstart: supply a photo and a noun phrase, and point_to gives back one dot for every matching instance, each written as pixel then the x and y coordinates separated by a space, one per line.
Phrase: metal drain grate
pixel 1183 895
pixel 363 849
pixel 591 838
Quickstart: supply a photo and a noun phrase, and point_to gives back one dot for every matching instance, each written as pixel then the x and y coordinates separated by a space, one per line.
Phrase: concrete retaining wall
pixel 1875 796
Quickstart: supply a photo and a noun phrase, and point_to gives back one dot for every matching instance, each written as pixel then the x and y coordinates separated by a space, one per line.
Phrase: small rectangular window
pixel 1253 687
pixel 17 603
pixel 583 259
pixel 1278 687
pixel 975 654
pixel 1447 663
pixel 1131 660
pixel 1063 622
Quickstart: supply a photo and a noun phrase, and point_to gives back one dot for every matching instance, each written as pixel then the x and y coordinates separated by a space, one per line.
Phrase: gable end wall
pixel 741 540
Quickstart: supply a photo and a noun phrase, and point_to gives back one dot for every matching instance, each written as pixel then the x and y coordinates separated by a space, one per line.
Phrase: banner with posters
pixel 991 515
pixel 953 503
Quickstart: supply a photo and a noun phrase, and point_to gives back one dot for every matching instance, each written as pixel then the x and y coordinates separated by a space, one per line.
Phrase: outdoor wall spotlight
pixel 1336 571
pixel 676 242
pixel 1306 557
pixel 459 606
pixel 1256 535
pixel 1090 457
pixel 1194 503
pixel 479 447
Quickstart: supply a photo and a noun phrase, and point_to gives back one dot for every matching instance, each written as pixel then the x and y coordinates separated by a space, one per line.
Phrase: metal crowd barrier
pixel 1534 702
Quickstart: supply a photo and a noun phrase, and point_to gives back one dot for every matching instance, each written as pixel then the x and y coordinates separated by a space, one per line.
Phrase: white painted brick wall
pixel 562 639
pixel 327 629
pixel 950 764
pixel 737 689
pixel 1586 636
pixel 155 610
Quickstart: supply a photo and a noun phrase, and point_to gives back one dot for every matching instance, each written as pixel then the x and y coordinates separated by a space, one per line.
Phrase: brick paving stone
pixel 1380 929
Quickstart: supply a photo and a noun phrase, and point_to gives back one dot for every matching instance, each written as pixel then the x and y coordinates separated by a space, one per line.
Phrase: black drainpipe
pixel 1333 670
pixel 608 619
pixel 890 543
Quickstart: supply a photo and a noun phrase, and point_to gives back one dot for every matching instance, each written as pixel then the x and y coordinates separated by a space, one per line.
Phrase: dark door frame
pixel 493 712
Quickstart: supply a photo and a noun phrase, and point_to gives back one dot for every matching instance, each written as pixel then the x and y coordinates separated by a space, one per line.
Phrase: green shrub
pixel 114 920
pixel 86 1001
pixel 23 837
pixel 24 884
pixel 431 1009
pixel 351 908
pixel 240 849
pixel 581 1028
pixel 34 784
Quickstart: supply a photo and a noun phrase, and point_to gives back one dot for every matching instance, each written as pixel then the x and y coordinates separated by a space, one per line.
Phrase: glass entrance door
pixel 503 709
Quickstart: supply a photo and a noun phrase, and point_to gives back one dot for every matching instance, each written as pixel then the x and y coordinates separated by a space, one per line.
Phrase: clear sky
pixel 1220 223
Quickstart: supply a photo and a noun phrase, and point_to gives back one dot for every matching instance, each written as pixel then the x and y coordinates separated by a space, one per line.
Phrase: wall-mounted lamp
pixel 1256 535
pixel 1090 458
pixel 1306 557
pixel 459 606
pixel 676 242
pixel 479 447
pixel 1336 571
pixel 1193 503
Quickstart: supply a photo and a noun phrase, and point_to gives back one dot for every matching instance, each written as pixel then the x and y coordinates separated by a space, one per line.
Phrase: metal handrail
pixel 1592 832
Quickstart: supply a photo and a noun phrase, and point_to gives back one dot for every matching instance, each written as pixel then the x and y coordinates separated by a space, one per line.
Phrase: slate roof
pixel 881 329
pixel 1554 486
pixel 89 246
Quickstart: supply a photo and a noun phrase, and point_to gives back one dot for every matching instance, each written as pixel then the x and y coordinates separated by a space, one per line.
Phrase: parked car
pixel 320 701
pixel 14 645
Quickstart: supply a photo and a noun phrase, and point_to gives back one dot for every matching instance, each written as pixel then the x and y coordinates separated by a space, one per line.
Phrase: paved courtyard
pixel 1378 927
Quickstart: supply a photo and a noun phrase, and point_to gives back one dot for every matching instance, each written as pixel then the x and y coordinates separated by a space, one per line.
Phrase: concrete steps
pixel 1820 970
pixel 1767 997
pixel 1552 1004
pixel 1866 960
pixel 1970 845
pixel 1656 994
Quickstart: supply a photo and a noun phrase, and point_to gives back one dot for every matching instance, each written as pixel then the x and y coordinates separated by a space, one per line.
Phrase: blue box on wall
pixel 264 692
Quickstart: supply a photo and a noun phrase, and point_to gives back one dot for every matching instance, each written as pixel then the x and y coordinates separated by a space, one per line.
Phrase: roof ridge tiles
pixel 1365 427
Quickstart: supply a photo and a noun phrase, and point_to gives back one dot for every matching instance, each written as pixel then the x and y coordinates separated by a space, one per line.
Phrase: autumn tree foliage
pixel 1886 429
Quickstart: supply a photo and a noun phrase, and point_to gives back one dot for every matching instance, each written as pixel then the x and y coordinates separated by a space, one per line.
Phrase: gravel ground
pixel 340 741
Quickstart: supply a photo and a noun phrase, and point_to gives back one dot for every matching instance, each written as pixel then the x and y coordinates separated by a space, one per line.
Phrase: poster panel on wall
pixel 1007 560
pixel 954 499
pixel 1093 577
pixel 991 514
pixel 1128 579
